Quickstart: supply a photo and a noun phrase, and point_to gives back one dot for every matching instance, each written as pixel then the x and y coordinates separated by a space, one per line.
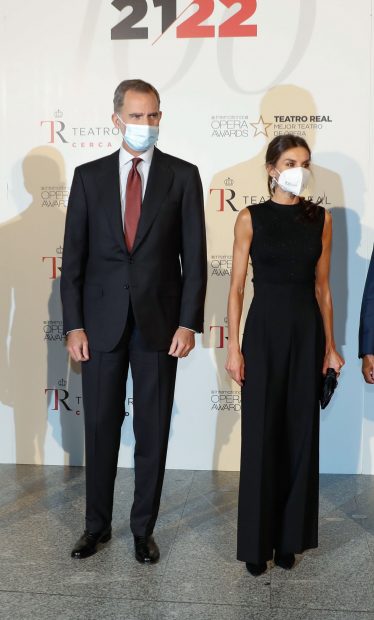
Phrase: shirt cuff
pixel 77 329
pixel 189 329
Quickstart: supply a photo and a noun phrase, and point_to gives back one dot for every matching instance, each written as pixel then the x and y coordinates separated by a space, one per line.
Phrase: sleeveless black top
pixel 286 244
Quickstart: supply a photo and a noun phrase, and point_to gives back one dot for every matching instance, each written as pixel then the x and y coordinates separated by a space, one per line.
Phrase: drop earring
pixel 273 184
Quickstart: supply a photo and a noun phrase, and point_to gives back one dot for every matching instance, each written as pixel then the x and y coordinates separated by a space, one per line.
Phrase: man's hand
pixel 368 368
pixel 182 343
pixel 77 345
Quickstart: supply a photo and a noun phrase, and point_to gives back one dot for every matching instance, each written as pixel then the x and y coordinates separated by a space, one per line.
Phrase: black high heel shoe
pixel 256 569
pixel 284 560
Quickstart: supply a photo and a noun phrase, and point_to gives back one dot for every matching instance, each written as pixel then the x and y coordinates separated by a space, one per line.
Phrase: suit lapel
pixel 159 182
pixel 109 183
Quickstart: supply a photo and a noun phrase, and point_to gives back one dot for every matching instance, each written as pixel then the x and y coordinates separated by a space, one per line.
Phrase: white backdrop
pixel 303 67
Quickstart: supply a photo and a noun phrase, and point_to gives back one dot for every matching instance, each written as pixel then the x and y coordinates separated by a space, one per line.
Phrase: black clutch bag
pixel 329 383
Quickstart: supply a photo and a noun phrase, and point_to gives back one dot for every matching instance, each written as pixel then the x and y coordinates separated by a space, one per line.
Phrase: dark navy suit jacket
pixel 165 273
pixel 366 334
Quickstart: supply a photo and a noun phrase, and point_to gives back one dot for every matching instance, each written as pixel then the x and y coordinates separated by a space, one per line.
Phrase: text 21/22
pixel 193 26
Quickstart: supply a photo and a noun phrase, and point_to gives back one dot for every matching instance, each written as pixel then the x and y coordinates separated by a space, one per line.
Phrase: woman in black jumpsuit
pixel 287 344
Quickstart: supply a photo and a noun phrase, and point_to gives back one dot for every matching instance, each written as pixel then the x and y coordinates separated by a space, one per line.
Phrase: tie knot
pixel 135 162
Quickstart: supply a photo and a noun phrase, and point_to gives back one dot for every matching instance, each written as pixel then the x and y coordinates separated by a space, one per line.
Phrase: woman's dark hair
pixel 276 148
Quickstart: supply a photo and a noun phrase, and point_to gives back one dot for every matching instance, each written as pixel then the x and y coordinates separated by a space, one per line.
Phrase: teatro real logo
pixel 218 335
pixel 54 262
pixel 297 124
pixel 60 400
pixel 58 131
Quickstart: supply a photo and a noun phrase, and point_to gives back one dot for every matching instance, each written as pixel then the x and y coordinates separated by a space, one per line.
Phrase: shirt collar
pixel 125 157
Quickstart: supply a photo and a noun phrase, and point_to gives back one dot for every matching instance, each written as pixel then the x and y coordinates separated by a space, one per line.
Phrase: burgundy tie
pixel 133 203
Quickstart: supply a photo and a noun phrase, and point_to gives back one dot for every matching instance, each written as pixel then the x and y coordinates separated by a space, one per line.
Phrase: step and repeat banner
pixel 232 75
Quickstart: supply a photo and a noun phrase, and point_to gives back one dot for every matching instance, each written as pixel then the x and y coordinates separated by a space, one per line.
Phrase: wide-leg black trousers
pixel 283 348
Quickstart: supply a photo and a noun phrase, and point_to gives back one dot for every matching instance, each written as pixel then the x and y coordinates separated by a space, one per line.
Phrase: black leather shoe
pixel 256 569
pixel 87 544
pixel 146 549
pixel 284 560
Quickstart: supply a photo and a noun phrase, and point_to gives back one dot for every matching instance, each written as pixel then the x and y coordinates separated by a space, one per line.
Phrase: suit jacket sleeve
pixel 75 253
pixel 366 333
pixel 193 255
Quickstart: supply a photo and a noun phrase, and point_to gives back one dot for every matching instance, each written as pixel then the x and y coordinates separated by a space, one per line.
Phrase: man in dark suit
pixel 133 287
pixel 366 333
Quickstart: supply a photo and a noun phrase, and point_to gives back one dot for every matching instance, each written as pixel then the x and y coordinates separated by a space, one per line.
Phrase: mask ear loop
pixel 274 181
pixel 120 120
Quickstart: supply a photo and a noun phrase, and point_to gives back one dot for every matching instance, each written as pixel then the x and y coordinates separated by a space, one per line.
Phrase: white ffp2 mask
pixel 293 180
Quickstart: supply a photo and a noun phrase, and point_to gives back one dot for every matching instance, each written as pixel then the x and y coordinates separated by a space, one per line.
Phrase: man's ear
pixel 115 121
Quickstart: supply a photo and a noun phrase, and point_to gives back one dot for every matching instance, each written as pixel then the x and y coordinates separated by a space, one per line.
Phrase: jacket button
pixel 127 286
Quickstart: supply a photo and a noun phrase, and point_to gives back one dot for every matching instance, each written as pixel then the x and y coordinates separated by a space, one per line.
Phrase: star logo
pixel 260 127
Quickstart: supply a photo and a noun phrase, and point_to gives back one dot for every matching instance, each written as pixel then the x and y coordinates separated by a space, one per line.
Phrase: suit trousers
pixel 104 378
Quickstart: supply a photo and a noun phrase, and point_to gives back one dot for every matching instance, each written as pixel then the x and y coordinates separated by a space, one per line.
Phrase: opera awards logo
pixel 260 128
pixel 231 126
pixel 220 265
pixel 225 401
pixel 53 331
pixel 54 196
pixel 57 131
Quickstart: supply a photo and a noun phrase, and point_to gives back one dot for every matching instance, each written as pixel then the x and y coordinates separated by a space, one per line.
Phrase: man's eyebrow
pixel 143 114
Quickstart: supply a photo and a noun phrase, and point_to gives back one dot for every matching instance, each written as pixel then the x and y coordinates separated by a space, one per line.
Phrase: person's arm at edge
pixel 194 267
pixel 332 358
pixel 243 234
pixel 72 272
pixel 366 331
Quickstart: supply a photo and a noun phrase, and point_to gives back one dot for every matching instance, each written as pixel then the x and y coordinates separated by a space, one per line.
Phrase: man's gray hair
pixel 138 85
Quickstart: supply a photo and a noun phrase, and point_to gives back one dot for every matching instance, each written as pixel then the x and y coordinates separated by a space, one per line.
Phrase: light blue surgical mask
pixel 139 137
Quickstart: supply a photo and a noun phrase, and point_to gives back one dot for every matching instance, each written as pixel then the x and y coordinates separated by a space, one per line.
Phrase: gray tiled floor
pixel 198 577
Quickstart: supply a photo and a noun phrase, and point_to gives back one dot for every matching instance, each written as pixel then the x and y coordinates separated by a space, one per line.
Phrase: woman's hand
pixel 333 360
pixel 235 366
